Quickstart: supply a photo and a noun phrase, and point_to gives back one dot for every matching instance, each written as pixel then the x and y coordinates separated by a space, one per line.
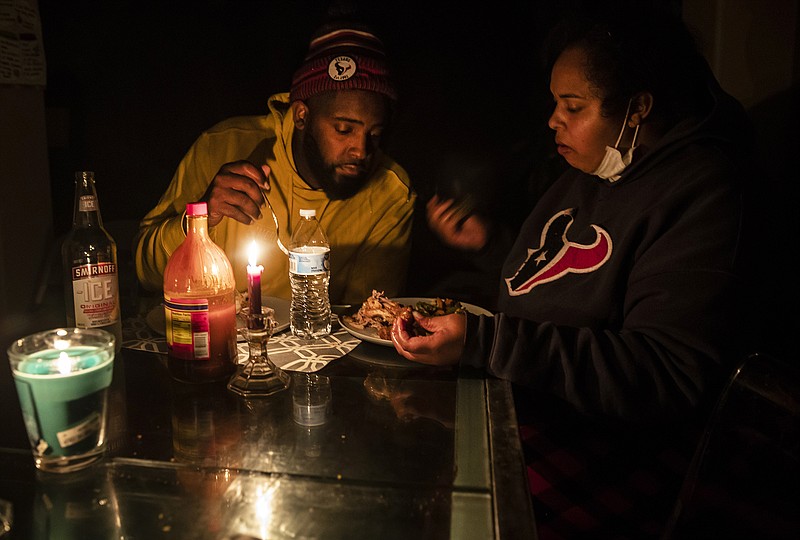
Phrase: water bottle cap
pixel 197 209
pixel 306 212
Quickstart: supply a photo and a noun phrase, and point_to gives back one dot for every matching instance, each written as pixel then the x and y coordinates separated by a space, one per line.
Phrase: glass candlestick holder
pixel 259 376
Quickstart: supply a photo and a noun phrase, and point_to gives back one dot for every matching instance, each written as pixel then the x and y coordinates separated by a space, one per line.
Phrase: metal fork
pixel 275 220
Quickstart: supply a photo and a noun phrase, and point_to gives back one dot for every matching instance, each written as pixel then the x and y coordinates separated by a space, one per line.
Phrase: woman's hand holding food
pixel 457 227
pixel 443 344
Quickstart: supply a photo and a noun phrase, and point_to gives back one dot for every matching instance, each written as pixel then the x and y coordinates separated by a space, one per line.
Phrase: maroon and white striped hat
pixel 343 58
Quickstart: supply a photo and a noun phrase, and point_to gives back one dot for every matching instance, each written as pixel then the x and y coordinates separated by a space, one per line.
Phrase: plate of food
pixel 372 321
pixel 280 311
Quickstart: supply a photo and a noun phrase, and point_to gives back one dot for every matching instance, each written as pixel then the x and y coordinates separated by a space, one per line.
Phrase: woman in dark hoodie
pixel 616 311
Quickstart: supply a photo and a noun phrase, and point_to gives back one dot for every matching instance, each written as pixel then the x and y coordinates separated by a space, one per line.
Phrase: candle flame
pixel 64 365
pixel 251 253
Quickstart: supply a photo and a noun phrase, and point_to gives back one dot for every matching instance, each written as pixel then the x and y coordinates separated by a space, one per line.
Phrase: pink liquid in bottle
pixel 199 306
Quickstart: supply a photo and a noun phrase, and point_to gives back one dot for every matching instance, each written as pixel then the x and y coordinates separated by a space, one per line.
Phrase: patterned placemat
pixel 285 350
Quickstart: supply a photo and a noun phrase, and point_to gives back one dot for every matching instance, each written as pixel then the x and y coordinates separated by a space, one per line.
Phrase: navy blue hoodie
pixel 618 297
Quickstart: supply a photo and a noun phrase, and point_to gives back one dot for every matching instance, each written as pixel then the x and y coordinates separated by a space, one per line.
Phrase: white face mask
pixel 614 162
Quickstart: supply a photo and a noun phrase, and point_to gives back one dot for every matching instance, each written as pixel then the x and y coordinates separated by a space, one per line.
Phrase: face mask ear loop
pixel 635 136
pixel 624 122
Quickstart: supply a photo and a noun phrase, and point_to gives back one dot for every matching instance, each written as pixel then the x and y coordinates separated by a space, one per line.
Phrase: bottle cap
pixel 308 212
pixel 197 209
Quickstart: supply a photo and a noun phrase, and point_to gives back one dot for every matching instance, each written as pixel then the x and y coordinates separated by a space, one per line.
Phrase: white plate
pixel 371 334
pixel 155 317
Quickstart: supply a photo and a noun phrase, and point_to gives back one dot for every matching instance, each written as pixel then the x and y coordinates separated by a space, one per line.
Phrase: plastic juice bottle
pixel 200 305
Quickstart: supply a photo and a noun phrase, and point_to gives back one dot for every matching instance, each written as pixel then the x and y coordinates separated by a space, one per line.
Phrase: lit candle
pixel 254 280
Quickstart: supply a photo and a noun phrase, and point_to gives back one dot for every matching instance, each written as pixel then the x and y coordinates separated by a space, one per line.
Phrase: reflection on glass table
pixel 399 453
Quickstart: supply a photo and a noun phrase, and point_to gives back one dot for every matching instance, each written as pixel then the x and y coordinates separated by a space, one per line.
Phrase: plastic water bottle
pixel 309 274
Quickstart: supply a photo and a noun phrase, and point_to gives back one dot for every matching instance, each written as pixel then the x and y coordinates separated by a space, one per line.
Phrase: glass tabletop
pixel 403 453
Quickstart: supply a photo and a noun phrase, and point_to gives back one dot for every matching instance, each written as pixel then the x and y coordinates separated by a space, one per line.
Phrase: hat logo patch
pixel 341 68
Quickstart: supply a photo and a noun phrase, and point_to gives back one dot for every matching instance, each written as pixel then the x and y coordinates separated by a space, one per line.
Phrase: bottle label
pixel 95 294
pixel 187 328
pixel 87 203
pixel 313 260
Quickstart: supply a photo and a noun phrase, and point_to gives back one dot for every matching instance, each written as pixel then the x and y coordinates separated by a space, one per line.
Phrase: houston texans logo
pixel 341 68
pixel 556 256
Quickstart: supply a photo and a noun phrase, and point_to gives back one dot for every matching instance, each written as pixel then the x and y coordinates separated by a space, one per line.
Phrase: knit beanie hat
pixel 343 57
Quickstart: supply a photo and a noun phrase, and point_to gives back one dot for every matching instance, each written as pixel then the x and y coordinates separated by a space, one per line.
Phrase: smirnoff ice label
pixel 94 291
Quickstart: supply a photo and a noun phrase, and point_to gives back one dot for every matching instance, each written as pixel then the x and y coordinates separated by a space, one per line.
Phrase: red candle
pixel 254 280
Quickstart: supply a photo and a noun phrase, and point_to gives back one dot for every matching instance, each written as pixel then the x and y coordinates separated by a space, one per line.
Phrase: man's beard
pixel 335 186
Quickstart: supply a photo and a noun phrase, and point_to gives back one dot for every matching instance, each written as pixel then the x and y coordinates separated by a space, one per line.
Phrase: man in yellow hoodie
pixel 318 147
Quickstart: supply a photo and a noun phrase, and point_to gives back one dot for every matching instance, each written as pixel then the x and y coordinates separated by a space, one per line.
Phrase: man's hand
pixel 235 192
